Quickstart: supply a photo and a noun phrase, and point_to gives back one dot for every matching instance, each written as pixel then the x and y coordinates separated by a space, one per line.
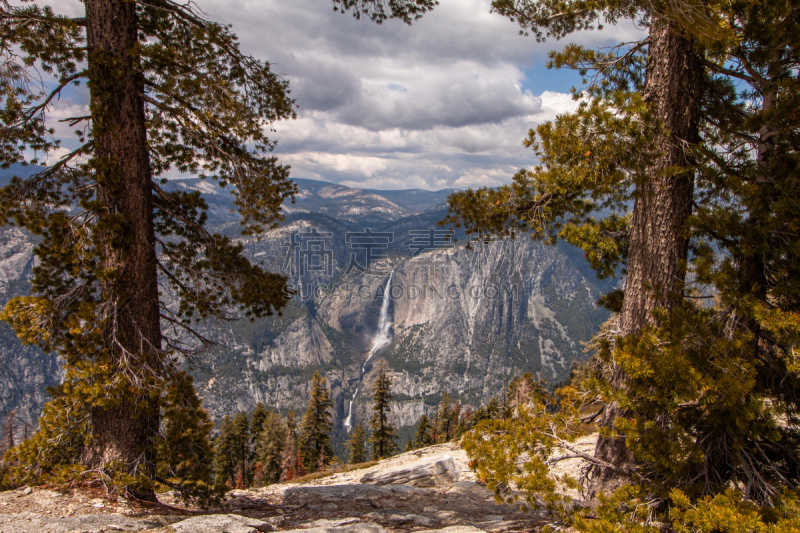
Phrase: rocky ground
pixel 425 490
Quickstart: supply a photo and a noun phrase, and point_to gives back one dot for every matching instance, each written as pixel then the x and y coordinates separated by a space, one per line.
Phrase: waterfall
pixel 348 422
pixel 382 339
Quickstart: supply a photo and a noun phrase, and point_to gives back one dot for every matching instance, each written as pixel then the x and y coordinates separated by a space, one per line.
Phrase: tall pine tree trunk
pixel 123 431
pixel 659 245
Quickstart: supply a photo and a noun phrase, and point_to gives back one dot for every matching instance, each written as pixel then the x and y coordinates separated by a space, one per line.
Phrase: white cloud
pixel 345 163
pixel 460 94
pixel 62 110
pixel 439 104
pixel 408 182
pixel 475 177
pixel 70 8
pixel 558 103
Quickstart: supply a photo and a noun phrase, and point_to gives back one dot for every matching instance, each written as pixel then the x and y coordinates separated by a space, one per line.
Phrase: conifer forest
pixel 538 233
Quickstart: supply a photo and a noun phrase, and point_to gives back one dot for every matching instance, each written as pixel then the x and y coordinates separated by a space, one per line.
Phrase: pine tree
pixel 737 352
pixel 490 411
pixel 257 421
pixel 493 410
pixel 381 10
pixel 465 422
pixel 423 436
pixel 257 418
pixel 443 423
pixel 225 455
pixel 240 436
pixel 455 418
pixel 291 422
pixel 184 448
pixel 384 433
pixel 291 459
pixel 314 435
pixel 101 212
pixel 525 389
pixel 357 445
pixel 630 143
pixel 689 380
pixel 168 90
pixel 269 447
pixel 7 442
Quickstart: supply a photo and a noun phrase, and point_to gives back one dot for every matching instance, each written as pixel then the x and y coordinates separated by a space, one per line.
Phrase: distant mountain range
pixel 360 206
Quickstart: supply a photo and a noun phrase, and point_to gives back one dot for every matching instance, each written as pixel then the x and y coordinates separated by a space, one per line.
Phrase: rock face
pixel 361 527
pixel 462 321
pixel 451 500
pixel 16 259
pixel 348 494
pixel 427 472
pixel 84 523
pixel 25 371
pixel 222 523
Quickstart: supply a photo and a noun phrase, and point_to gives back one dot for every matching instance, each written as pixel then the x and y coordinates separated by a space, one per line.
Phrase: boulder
pixel 398 518
pixel 502 526
pixel 426 472
pixel 348 494
pixel 453 529
pixel 336 522
pixel 361 527
pixel 471 488
pixel 221 523
pixel 86 523
pixel 245 502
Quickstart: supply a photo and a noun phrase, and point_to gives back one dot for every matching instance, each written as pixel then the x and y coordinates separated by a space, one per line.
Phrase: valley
pixel 375 279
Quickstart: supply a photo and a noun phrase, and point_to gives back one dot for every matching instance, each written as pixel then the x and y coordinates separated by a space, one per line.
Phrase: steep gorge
pixel 460 321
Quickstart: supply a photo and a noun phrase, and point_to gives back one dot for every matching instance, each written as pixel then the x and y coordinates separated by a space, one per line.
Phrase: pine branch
pixel 726 71
pixel 178 213
pixel 590 458
pixel 55 92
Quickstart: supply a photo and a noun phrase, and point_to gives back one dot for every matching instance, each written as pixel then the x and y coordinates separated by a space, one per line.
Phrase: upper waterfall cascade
pixel 383 338
pixel 384 335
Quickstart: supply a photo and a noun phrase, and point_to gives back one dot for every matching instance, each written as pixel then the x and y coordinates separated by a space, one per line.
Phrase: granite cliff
pixel 459 320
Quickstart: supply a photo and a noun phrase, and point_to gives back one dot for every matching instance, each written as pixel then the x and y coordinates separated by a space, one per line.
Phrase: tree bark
pixel 656 268
pixel 124 431
pixel 659 244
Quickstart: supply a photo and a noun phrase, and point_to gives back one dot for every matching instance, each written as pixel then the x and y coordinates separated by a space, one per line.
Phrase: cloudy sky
pixel 443 103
